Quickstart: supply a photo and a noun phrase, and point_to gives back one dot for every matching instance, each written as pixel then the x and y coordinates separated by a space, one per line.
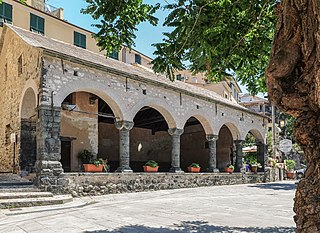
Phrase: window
pixel 114 54
pixel 20 65
pixel 6 12
pixel 79 40
pixel 178 77
pixel 137 59
pixel 36 24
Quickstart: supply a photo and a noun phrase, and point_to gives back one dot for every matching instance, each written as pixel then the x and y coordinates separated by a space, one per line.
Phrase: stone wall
pixel 83 184
pixel 14 78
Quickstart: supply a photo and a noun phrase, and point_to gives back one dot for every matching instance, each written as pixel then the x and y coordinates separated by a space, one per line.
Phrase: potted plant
pixel 229 168
pixel 90 164
pixel 290 164
pixel 194 167
pixel 255 166
pixel 151 166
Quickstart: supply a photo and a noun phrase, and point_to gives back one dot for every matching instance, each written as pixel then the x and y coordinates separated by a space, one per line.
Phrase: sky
pixel 146 34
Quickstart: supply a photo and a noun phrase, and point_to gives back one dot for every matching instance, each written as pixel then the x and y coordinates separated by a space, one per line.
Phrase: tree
pixel 293 84
pixel 217 37
pixel 223 36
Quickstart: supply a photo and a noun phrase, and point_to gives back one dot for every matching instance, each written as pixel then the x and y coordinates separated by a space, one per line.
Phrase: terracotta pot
pixel 92 168
pixel 254 169
pixel 229 170
pixel 194 169
pixel 290 175
pixel 150 169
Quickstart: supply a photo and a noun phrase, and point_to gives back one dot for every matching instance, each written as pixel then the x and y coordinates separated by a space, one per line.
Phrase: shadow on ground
pixel 276 186
pixel 196 226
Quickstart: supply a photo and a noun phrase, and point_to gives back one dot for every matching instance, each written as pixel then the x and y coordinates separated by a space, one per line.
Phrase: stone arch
pixel 236 135
pixel 204 121
pixel 256 133
pixel 28 117
pixel 29 100
pixel 92 87
pixel 160 106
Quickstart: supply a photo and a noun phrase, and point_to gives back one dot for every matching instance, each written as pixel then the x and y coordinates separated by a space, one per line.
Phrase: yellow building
pixel 40 17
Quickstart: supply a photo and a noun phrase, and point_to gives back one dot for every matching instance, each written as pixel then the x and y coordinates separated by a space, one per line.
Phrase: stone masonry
pixel 59 69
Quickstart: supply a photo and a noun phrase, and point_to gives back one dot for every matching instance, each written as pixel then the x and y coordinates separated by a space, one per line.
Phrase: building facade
pixel 59 99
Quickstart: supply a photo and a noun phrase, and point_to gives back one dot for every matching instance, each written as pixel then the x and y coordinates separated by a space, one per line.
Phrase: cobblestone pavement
pixel 237 208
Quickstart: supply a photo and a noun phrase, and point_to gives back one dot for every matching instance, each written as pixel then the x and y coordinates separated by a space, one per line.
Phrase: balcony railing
pixel 43 6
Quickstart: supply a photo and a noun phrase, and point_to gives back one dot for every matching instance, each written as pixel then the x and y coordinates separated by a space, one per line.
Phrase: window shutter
pixel 83 41
pixel 76 38
pixel 33 22
pixel 41 25
pixel 8 12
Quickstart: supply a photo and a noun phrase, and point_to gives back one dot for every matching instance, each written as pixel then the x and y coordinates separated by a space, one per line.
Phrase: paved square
pixel 237 208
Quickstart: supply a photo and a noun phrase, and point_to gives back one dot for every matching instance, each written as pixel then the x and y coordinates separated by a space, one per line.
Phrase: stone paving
pixel 236 208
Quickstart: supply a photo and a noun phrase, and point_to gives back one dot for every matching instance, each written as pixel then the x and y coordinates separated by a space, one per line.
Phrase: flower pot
pixel 194 169
pixel 254 168
pixel 229 170
pixel 150 169
pixel 92 168
pixel 290 174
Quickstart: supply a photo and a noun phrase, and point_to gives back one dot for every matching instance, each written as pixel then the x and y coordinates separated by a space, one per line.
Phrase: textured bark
pixel 293 80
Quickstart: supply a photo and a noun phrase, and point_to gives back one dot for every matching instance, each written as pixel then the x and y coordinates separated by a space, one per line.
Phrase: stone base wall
pixel 274 174
pixel 84 184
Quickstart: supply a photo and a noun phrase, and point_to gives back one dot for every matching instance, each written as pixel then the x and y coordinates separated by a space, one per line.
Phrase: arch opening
pixel 194 146
pixel 87 123
pixel 225 148
pixel 149 140
pixel 28 142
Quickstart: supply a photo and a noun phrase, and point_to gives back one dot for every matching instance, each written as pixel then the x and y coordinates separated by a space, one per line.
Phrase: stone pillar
pixel 212 140
pixel 124 156
pixel 48 166
pixel 239 155
pixel 175 154
pixel 262 154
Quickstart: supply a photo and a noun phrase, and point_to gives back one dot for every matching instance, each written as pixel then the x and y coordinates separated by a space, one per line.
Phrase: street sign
pixel 285 145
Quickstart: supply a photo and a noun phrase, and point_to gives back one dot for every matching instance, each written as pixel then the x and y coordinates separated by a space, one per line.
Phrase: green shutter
pixel 40 25
pixel 76 38
pixel 33 22
pixel 36 23
pixel 83 41
pixel 79 40
pixel 6 12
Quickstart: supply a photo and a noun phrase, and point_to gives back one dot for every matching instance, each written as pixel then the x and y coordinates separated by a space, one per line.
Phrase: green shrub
pixel 195 165
pixel 151 163
pixel 290 164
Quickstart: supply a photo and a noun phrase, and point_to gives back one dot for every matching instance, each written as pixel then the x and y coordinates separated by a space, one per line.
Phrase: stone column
pixel 239 155
pixel 124 156
pixel 212 140
pixel 262 154
pixel 175 154
pixel 48 166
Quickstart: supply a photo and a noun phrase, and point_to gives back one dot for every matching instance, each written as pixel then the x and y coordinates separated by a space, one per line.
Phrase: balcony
pixel 43 6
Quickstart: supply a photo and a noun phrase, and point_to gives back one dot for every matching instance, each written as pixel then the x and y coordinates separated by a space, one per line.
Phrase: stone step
pixel 15 183
pixel 41 201
pixel 23 195
pixel 19 189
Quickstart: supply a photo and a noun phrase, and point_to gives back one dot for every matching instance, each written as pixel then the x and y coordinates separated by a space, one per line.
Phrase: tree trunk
pixel 293 80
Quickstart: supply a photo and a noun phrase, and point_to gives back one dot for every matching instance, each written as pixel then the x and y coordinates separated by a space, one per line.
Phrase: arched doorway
pixel 28 143
pixel 87 123
pixel 225 148
pixel 150 140
pixel 194 146
pixel 254 150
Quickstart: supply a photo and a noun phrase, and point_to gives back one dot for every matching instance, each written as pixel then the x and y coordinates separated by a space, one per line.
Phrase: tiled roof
pixel 69 50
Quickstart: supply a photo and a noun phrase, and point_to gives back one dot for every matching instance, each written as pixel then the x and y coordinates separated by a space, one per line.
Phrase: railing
pixel 43 6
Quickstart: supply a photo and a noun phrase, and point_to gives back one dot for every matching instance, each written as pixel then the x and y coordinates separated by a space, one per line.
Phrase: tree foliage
pixel 218 37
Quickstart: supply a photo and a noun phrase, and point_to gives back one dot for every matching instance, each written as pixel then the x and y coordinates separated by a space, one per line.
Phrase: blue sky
pixel 146 34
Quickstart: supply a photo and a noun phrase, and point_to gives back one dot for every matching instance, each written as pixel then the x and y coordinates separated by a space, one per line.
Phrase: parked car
pixel 300 172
